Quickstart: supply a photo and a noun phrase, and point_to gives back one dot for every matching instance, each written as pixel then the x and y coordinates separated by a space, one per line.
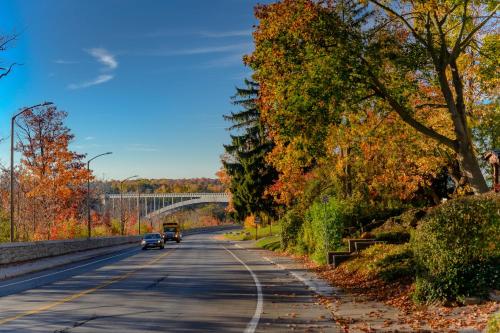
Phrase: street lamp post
pixel 139 207
pixel 89 230
pixel 12 124
pixel 121 202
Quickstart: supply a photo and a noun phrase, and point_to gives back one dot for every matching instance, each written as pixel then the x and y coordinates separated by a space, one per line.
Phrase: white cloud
pixel 98 80
pixel 226 61
pixel 88 138
pixel 230 33
pixel 65 62
pixel 104 57
pixel 239 47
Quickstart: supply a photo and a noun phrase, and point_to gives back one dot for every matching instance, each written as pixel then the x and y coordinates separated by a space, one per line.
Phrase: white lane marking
pixel 65 270
pixel 252 324
pixel 310 284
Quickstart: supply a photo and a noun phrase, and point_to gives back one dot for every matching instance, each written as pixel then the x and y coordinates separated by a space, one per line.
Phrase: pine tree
pixel 245 158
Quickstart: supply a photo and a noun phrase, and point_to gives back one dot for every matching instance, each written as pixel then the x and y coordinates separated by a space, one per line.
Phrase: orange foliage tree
pixel 52 175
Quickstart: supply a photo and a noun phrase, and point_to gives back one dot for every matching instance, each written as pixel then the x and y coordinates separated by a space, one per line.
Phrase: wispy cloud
pixel 202 33
pixel 225 61
pixel 104 57
pixel 65 62
pixel 141 147
pixel 230 33
pixel 238 47
pixel 98 80
pixel 89 138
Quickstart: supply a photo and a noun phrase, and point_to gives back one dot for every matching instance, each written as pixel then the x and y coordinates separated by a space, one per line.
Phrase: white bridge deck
pixel 151 205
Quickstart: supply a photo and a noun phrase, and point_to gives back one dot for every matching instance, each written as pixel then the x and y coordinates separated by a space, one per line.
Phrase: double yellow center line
pixel 82 293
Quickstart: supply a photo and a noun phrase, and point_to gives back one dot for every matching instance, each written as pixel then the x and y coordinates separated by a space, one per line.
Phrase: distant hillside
pixel 166 185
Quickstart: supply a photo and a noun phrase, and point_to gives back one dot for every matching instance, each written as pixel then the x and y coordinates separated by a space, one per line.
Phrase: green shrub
pixel 457 250
pixel 269 243
pixel 322 229
pixel 4 227
pixel 291 223
pixel 397 264
pixel 394 237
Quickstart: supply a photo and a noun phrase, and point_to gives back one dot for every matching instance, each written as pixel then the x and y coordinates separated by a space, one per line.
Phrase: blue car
pixel 152 240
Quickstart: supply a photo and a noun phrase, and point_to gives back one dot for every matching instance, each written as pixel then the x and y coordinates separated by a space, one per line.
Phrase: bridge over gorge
pixel 155 205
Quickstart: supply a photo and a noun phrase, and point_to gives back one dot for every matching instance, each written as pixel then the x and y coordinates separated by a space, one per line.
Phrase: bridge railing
pixel 163 195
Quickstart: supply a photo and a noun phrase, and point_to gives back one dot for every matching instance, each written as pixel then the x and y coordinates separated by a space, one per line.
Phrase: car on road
pixel 152 240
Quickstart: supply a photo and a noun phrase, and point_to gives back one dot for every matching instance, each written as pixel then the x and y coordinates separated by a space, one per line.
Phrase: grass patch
pixel 249 233
pixel 272 243
pixel 388 262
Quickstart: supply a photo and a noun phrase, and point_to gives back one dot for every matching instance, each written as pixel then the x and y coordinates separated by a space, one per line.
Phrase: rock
pixel 495 295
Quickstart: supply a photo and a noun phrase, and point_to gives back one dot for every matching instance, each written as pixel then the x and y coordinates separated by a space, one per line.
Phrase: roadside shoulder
pixel 354 314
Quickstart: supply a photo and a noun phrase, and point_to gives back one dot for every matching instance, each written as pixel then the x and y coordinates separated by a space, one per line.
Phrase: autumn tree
pixel 245 159
pixel 53 174
pixel 318 60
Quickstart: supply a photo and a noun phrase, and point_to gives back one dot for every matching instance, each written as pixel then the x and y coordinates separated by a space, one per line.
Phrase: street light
pixel 88 191
pixel 121 202
pixel 12 123
pixel 139 206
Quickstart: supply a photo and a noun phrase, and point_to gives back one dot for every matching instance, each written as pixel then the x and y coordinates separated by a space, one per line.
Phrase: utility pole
pixel 89 229
pixel 121 203
pixel 139 208
pixel 12 125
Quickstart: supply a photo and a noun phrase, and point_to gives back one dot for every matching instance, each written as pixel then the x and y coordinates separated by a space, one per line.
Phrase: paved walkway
pixel 354 314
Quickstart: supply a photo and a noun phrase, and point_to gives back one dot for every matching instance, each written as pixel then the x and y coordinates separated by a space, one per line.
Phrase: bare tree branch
pixel 469 37
pixel 432 105
pixel 402 18
pixel 5 73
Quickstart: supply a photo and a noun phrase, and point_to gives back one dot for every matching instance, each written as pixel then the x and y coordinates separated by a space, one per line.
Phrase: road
pixel 200 285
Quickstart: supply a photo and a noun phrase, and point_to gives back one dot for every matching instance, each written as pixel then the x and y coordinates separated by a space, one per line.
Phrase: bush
pixel 322 229
pixel 397 263
pixel 456 250
pixel 290 229
pixel 394 237
pixel 4 227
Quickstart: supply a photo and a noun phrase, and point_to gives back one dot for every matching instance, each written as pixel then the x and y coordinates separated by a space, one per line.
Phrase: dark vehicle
pixel 152 240
pixel 172 231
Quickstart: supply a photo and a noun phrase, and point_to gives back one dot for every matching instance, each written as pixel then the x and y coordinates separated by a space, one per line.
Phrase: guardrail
pixel 14 253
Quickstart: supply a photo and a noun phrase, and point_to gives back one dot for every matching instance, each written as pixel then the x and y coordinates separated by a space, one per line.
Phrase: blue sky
pixel 148 80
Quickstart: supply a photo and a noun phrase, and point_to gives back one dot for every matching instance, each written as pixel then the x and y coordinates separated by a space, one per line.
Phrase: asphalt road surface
pixel 199 285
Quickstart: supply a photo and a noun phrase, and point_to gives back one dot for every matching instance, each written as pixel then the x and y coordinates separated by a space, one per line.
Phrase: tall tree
pixel 410 55
pixel 245 159
pixel 54 174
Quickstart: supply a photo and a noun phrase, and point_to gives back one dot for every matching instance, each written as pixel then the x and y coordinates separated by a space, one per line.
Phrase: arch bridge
pixel 155 205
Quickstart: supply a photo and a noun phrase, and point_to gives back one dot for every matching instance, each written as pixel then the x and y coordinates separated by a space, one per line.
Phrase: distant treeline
pixel 165 185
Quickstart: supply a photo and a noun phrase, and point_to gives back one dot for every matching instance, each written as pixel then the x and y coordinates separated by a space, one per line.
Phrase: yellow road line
pixel 82 293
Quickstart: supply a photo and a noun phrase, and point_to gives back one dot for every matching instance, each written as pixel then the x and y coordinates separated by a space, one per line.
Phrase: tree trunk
pixel 464 149
pixel 471 170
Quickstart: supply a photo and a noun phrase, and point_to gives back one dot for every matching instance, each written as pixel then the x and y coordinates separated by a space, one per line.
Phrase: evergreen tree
pixel 245 158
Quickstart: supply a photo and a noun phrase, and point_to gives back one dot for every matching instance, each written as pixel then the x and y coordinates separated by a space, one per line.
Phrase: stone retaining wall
pixel 11 253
